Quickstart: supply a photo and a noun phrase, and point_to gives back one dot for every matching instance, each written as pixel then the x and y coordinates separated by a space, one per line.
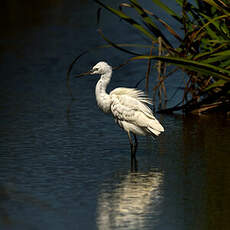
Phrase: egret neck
pixel 128 107
pixel 102 97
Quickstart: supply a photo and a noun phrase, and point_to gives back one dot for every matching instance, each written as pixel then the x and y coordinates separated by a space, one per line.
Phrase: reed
pixel 203 52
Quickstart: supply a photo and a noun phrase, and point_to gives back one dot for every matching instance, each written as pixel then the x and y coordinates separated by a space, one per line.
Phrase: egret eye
pixel 95 69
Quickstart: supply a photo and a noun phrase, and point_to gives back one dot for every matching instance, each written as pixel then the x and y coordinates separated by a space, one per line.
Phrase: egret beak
pixel 85 74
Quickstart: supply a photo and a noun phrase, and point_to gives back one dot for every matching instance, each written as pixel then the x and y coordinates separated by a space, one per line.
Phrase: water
pixel 73 172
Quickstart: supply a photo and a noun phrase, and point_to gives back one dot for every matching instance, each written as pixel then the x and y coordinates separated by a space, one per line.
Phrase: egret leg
pixel 133 148
pixel 131 145
pixel 136 142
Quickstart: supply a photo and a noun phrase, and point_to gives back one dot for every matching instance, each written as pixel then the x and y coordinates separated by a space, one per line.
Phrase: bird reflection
pixel 132 204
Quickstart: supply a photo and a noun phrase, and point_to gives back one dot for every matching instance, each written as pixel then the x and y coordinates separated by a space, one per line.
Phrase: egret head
pixel 101 68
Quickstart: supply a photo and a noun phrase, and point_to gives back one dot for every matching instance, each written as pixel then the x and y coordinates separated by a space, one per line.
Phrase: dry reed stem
pixel 148 71
pixel 161 69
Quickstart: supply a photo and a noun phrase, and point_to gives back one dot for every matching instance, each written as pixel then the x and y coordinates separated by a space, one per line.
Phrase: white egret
pixel 127 105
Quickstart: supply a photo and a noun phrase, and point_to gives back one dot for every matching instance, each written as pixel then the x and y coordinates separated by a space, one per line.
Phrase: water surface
pixel 73 172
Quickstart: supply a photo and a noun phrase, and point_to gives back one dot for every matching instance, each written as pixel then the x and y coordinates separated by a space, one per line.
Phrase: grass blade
pixel 167 10
pixel 148 22
pixel 206 69
pixel 115 45
pixel 128 19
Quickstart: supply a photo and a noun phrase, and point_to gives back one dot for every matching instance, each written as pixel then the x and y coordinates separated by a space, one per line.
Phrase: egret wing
pixel 134 93
pixel 126 99
pixel 131 112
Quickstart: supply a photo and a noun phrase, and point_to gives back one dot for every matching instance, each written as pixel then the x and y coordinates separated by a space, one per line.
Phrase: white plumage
pixel 129 109
pixel 128 106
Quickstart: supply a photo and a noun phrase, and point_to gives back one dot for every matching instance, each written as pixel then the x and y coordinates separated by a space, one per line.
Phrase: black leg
pixel 131 145
pixel 133 148
pixel 136 143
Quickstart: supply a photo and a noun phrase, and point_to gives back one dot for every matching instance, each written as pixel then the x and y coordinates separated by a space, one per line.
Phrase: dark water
pixel 73 172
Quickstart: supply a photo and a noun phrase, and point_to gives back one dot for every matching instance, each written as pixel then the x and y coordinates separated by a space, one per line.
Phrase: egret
pixel 127 105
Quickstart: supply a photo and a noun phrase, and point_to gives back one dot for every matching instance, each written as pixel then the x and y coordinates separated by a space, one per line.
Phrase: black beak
pixel 84 74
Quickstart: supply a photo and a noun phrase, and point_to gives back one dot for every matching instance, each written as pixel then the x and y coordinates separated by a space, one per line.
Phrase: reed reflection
pixel 132 204
pixel 206 165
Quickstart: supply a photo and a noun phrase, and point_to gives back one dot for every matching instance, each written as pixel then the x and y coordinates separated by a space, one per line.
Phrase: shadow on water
pixel 206 169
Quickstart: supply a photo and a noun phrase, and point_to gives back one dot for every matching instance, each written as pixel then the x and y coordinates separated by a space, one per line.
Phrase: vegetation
pixel 203 52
